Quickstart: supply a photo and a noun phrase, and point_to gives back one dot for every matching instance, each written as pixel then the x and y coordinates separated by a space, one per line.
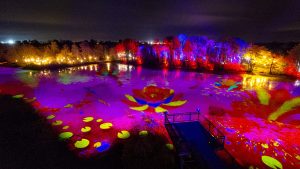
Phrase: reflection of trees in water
pixel 255 81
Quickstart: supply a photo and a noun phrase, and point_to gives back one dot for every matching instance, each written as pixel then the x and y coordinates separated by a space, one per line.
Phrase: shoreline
pixel 156 67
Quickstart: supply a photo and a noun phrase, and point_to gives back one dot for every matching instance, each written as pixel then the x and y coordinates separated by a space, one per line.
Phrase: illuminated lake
pixel 94 106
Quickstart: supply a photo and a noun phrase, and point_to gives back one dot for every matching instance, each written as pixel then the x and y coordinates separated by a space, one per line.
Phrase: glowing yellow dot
pixel 65 127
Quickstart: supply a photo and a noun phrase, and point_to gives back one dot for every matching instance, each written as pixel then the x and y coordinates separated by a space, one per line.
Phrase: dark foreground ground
pixel 28 142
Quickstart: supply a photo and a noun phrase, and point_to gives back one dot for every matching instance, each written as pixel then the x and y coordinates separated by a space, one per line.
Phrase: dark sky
pixel 253 20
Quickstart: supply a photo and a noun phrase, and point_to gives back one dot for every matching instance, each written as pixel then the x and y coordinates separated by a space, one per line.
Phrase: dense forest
pixel 196 52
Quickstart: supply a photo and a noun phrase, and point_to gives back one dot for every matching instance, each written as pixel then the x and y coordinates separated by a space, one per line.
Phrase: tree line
pixel 194 52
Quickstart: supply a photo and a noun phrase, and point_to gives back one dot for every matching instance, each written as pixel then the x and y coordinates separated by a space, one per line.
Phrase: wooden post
pixel 166 117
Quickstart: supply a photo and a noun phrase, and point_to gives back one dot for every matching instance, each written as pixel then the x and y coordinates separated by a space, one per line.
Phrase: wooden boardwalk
pixel 195 143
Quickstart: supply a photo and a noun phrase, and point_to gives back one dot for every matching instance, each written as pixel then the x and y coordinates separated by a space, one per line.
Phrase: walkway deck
pixel 198 140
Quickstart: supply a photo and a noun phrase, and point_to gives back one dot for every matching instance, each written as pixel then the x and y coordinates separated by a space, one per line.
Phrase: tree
pixel 294 54
pixel 75 51
pixel 99 51
pixel 255 56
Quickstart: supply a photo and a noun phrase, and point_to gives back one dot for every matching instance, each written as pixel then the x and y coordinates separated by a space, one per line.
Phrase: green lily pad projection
pixel 67 79
pixel 265 145
pixel 68 106
pixel 97 144
pixel 99 120
pixel 143 133
pixel 88 119
pixel 83 143
pixel 18 96
pixel 65 135
pixel 30 100
pixel 50 117
pixel 106 126
pixel 271 162
pixel 170 146
pixel 57 123
pixel 86 129
pixel 123 134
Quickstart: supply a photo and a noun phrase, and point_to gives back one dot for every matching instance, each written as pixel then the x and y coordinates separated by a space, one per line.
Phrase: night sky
pixel 253 20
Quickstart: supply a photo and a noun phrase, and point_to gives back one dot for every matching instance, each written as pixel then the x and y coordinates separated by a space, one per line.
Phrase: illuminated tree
pixel 75 51
pixel 54 48
pixel 294 54
pixel 120 50
pixel 131 49
pixel 255 56
pixel 127 50
pixel 189 54
pixel 65 55
pixel 176 51
pixel 99 51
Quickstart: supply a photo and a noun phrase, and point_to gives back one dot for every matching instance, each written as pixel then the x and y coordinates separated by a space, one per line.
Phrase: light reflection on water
pixel 249 82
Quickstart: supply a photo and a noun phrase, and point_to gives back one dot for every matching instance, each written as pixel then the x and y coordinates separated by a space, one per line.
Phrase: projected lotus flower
pixel 153 99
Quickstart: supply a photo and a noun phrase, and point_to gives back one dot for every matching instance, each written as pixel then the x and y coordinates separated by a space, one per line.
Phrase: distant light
pixel 11 42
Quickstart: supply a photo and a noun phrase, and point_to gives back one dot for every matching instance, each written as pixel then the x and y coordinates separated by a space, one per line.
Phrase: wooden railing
pixel 196 116
pixel 181 117
pixel 218 138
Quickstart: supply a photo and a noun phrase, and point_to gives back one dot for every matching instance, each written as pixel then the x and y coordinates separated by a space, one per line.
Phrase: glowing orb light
pixel 11 42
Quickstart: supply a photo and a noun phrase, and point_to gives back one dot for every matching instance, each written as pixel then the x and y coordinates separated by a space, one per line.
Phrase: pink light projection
pixel 92 111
